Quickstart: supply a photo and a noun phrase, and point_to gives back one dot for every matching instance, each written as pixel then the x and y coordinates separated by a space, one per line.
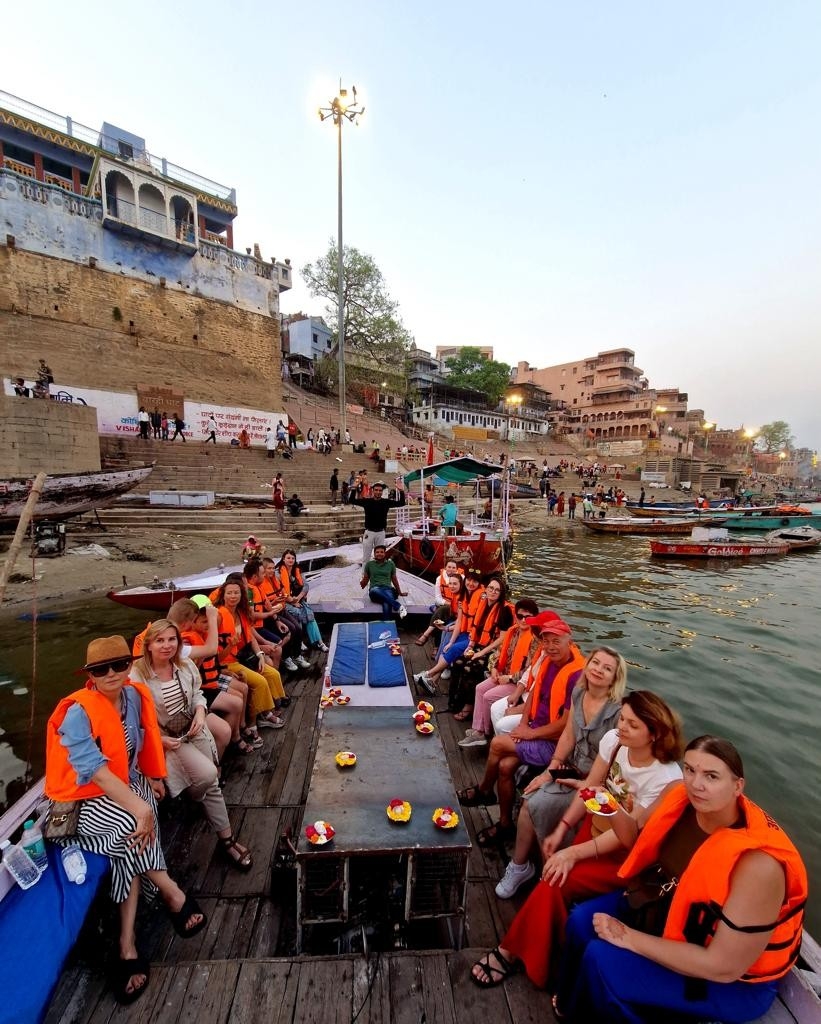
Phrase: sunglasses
pixel 522 615
pixel 100 671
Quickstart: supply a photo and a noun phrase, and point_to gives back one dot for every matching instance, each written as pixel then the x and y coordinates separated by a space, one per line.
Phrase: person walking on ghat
pixel 211 430
pixel 376 517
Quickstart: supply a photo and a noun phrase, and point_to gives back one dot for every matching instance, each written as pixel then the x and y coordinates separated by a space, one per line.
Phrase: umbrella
pixel 617 465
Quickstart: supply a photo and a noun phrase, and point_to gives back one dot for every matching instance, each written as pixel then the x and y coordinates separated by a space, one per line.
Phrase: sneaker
pixel 514 878
pixel 303 662
pixel 446 674
pixel 473 738
pixel 303 648
pixel 403 611
pixel 322 646
pixel 290 664
pixel 427 684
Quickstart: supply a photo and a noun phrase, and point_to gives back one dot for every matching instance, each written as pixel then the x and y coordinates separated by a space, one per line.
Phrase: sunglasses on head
pixel 120 665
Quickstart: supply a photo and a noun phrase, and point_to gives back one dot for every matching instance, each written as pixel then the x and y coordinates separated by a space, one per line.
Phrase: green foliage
pixel 470 370
pixel 373 327
pixel 773 437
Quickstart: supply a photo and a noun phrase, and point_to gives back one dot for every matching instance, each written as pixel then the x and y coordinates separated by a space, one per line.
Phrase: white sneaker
pixel 473 738
pixel 303 662
pixel 322 646
pixel 514 878
pixel 446 674
pixel 290 665
pixel 303 648
pixel 403 611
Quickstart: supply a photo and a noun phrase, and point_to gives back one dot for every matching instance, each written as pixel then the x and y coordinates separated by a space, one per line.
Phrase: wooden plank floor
pixel 242 968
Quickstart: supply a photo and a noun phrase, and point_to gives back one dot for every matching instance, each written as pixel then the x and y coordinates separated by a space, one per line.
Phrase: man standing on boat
pixel 376 516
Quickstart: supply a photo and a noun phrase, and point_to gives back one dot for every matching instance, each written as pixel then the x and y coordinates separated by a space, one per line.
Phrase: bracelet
pixel 596 847
pixel 566 823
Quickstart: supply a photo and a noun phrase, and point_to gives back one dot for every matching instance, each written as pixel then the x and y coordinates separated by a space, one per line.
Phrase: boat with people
pixel 65 495
pixel 480 539
pixel 640 527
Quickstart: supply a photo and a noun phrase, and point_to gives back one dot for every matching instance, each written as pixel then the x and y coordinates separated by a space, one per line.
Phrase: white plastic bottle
pixel 74 863
pixel 19 865
pixel 33 843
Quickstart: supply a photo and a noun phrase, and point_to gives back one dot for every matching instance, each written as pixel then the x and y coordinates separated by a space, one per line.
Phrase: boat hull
pixel 67 495
pixel 752 521
pixel 716 549
pixel 641 527
pixel 426 555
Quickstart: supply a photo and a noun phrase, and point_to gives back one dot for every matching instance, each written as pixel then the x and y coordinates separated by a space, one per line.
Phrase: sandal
pixel 420 641
pixel 495 835
pixel 463 715
pixel 557 1013
pixel 475 797
pixel 179 918
pixel 237 855
pixel 122 971
pixel 240 746
pixel 252 738
pixel 492 976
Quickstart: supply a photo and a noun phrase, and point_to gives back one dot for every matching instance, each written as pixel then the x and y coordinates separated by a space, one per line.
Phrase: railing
pixel 74 130
pixel 127 212
pixel 58 180
pixel 19 168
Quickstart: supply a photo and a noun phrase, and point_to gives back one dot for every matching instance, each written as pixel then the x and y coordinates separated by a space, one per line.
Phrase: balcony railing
pixel 74 130
pixel 19 168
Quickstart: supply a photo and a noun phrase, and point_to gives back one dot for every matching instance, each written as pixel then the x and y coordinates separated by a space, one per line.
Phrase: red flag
pixel 430 451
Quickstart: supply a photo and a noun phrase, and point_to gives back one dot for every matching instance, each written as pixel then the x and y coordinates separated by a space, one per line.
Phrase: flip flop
pixel 179 918
pixel 463 715
pixel 420 641
pixel 492 976
pixel 495 835
pixel 474 797
pixel 122 972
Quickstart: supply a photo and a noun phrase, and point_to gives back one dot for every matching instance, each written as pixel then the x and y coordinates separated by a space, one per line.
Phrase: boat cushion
pixel 38 927
pixel 349 666
pixel 384 668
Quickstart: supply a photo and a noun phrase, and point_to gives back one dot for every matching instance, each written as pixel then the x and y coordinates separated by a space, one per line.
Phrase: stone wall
pixel 56 437
pixel 102 330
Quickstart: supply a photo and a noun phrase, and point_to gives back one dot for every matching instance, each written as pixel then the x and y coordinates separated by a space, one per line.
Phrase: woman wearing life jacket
pixel 443 611
pixel 104 748
pixel 637 761
pixel 295 591
pixel 237 641
pixel 493 618
pixel 503 677
pixel 191 756
pixel 455 636
pixel 736 887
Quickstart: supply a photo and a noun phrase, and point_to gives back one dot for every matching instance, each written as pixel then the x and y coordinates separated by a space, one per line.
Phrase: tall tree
pixel 374 331
pixel 470 369
pixel 773 437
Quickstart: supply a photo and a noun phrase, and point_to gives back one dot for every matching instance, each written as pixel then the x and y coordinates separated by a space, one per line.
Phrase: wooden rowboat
pixel 632 527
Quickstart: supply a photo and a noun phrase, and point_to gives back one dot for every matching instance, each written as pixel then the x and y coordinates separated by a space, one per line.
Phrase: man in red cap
pixel 534 738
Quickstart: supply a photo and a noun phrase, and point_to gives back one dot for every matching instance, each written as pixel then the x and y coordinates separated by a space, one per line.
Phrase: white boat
pixel 67 494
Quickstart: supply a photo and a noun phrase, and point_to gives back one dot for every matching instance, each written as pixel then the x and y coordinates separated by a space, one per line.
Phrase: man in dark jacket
pixel 376 517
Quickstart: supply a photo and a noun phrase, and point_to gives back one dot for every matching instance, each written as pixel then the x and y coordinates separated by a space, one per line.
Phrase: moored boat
pixel 760 519
pixel 640 527
pixel 799 538
pixel 67 494
pixel 716 543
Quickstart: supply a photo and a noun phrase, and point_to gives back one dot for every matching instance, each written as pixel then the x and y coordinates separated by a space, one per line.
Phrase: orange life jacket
pixel 285 579
pixel 470 607
pixel 138 643
pixel 229 645
pixel 257 603
pixel 107 733
pixel 561 682
pixel 512 661
pixel 209 669
pixel 704 886
pixel 271 589
pixel 485 624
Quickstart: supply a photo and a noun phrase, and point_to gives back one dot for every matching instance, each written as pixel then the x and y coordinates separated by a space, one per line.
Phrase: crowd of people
pixel 686 899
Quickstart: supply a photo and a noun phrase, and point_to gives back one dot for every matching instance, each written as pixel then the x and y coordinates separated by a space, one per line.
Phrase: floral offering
pixel 399 811
pixel 445 817
pixel 345 759
pixel 319 833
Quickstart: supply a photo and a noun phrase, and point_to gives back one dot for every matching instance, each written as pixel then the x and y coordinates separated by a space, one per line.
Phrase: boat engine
pixel 49 539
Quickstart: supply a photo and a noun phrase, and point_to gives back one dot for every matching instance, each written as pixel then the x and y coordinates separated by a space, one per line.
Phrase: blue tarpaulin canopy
pixel 455 471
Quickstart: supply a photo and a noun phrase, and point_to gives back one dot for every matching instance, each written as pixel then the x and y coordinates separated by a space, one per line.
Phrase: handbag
pixel 649 899
pixel 179 723
pixel 62 818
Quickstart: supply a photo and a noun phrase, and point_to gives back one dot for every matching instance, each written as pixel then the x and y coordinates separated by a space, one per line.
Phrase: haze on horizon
pixel 551 180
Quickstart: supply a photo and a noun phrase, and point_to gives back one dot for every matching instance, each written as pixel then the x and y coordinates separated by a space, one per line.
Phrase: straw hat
pixel 107 648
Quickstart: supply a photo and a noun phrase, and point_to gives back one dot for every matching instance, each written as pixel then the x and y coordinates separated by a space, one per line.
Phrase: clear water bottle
pixel 19 865
pixel 33 843
pixel 74 863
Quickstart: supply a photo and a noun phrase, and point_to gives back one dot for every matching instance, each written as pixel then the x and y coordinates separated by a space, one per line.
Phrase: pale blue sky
pixel 551 178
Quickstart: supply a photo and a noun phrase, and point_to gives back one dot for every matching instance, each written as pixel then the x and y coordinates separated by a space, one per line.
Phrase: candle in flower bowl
pixel 319 833
pixel 445 817
pixel 399 811
pixel 420 716
pixel 426 706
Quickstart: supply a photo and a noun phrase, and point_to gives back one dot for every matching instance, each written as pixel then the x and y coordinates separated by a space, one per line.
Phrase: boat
pixel 799 538
pixel 757 519
pixel 633 527
pixel 687 505
pixel 517 490
pixel 717 543
pixel 161 594
pixel 67 494
pixel 691 512
pixel 479 543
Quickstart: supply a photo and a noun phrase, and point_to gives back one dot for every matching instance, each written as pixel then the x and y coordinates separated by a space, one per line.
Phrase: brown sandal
pixel 237 855
pixel 420 641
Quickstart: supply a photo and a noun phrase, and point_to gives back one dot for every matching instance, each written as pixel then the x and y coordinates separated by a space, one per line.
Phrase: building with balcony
pixel 118 267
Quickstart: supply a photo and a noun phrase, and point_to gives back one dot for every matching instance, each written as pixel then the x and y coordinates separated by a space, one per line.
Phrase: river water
pixel 734 647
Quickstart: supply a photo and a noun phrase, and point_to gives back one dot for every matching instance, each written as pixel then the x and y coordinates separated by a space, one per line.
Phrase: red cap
pixel 549 622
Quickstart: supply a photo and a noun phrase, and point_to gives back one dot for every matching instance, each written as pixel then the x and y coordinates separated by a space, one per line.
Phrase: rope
pixel 32 701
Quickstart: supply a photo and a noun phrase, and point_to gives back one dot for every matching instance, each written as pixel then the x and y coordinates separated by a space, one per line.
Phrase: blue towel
pixel 350 655
pixel 38 927
pixel 384 668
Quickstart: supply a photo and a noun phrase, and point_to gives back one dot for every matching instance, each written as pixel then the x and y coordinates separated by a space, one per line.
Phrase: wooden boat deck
pixel 242 967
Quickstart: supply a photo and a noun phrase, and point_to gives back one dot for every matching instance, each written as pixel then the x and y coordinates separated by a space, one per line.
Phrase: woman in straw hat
pixel 104 749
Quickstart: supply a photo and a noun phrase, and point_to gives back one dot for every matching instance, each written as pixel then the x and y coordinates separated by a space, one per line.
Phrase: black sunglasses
pixel 522 615
pixel 99 671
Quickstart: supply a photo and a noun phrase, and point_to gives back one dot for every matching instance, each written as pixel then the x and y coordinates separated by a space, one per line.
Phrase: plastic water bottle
pixel 19 865
pixel 34 845
pixel 74 863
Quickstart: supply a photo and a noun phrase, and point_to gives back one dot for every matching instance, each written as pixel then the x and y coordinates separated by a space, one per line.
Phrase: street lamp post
pixel 341 109
pixel 707 427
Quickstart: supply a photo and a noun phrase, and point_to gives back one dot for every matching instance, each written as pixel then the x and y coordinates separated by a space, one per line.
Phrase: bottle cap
pixel 80 879
pixel 28 824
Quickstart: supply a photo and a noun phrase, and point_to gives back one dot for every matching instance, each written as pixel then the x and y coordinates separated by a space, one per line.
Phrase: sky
pixel 553 179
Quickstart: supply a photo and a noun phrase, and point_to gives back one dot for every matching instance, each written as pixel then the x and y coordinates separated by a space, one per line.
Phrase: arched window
pixel 119 197
pixel 183 218
pixel 152 213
